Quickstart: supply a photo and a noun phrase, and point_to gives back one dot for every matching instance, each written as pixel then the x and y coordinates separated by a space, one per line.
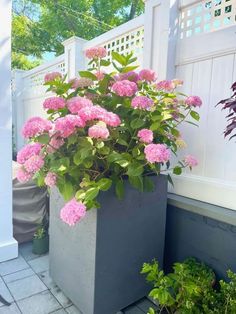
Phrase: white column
pixel 160 34
pixel 8 245
pixel 74 56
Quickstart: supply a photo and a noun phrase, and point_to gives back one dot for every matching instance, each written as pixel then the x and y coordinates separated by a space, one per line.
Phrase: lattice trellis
pixel 207 16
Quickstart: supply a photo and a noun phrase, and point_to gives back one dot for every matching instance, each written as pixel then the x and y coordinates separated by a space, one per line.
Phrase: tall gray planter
pixel 97 263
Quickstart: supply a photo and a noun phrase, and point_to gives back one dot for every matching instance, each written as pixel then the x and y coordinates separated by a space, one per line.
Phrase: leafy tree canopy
pixel 39 26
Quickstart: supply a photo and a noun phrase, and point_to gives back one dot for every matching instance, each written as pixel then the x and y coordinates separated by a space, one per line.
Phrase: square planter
pixel 97 263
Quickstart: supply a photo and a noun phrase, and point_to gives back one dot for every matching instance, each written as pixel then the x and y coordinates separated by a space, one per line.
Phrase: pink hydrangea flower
pixel 54 103
pixel 96 52
pixel 145 136
pixel 36 126
pixel 124 88
pixel 165 85
pixel 190 161
pixel 157 153
pixel 98 131
pixel 67 125
pixel 193 101
pixel 22 175
pixel 34 164
pixel 50 179
pixel 81 82
pixel 28 151
pixel 131 76
pixel 100 75
pixel 54 144
pixel 142 102
pixel 147 75
pixel 52 76
pixel 74 104
pixel 73 212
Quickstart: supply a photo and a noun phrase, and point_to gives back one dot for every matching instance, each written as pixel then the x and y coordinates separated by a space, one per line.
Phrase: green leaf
pixel 104 150
pixel 154 126
pixel 114 156
pixel 103 84
pixel 43 139
pixel 137 123
pixel 177 170
pixel 104 184
pixel 91 193
pixel 76 158
pixel 148 185
pixel 123 163
pixel 67 190
pixel 195 115
pixel 88 75
pixel 135 169
pixel 129 68
pixel 170 180
pixel 80 195
pixel 119 58
pixel 120 190
pixel 122 142
pixel 136 182
pixel 105 63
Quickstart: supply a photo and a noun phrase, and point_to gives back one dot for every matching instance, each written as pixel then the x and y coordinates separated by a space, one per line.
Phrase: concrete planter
pixel 97 263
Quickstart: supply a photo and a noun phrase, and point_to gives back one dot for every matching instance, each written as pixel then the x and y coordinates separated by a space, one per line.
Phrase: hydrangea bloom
pixel 36 126
pixel 22 175
pixel 80 83
pixel 124 88
pixel 190 161
pixel 131 76
pixel 98 131
pixel 66 125
pixel 28 151
pixel 193 101
pixel 147 75
pixel 100 75
pixel 73 212
pixel 145 136
pixel 50 179
pixel 142 102
pixel 157 153
pixel 55 143
pixel 34 164
pixel 54 103
pixel 52 76
pixel 165 85
pixel 96 52
pixel 74 104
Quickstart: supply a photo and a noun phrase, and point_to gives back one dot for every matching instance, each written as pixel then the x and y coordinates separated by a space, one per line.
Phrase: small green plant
pixel 40 233
pixel 182 290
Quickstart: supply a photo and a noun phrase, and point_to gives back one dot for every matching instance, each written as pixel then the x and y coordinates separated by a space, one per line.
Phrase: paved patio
pixel 26 284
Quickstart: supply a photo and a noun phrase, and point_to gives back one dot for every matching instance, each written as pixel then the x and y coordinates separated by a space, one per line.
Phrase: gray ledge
pixel 205 209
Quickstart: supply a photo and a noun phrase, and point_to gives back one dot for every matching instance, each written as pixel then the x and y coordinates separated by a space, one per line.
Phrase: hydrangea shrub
pixel 103 128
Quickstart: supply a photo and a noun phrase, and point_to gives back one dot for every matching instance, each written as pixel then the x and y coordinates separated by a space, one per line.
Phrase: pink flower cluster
pixel 100 75
pixel 55 143
pixel 147 75
pixel 81 82
pixel 166 85
pixel 193 101
pixel 96 52
pixel 36 126
pixel 50 179
pixel 54 103
pixel 190 161
pixel 131 76
pixel 145 136
pixel 142 102
pixel 157 153
pixel 52 76
pixel 98 131
pixel 28 151
pixel 124 88
pixel 22 175
pixel 74 104
pixel 73 212
pixel 66 126
pixel 34 164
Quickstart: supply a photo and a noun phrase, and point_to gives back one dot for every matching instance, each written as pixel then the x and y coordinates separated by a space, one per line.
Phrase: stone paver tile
pixel 40 264
pixel 61 311
pixel 42 303
pixel 25 250
pixel 12 309
pixel 12 266
pixel 26 287
pixel 133 310
pixel 18 275
pixel 73 310
pixel 45 277
pixel 145 304
pixel 4 292
pixel 61 298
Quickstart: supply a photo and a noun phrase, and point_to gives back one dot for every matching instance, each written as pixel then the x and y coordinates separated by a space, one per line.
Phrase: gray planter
pixel 97 263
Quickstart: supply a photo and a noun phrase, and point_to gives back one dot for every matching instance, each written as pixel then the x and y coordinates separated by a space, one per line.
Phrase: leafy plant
pixel 40 233
pixel 229 104
pixel 104 128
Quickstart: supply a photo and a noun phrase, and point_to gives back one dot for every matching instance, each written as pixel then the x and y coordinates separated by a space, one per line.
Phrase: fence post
pixel 18 110
pixel 74 56
pixel 161 25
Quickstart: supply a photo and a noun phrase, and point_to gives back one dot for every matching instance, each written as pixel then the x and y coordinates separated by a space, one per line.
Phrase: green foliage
pixel 40 233
pixel 190 289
